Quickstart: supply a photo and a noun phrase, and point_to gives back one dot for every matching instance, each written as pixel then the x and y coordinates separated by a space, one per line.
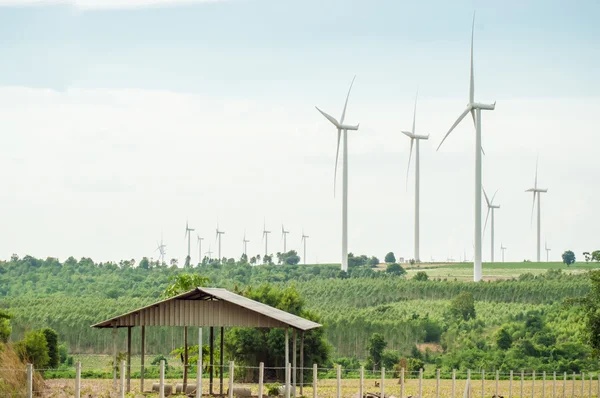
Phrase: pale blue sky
pixel 121 122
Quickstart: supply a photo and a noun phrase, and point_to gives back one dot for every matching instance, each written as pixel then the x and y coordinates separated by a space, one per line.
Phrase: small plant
pixel 273 389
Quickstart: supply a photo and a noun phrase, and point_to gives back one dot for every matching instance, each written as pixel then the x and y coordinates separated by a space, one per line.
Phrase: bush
pixel 52 341
pixel 463 306
pixel 390 258
pixel 395 269
pixel 156 361
pixel 421 276
pixel 34 349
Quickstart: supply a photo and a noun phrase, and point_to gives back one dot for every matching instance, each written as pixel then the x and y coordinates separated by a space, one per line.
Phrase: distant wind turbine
pixel 265 236
pixel 503 250
pixel 284 234
pixel 188 234
pixel 491 207
pixel 537 191
pixel 245 242
pixel 209 252
pixel 218 237
pixel 161 250
pixel 199 242
pixel 414 139
pixel 341 127
pixel 547 251
pixel 303 240
pixel 475 109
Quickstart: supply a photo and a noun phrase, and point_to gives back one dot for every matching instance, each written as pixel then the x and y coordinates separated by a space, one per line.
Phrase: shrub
pixel 390 258
pixel 52 341
pixel 395 269
pixel 34 349
pixel 421 276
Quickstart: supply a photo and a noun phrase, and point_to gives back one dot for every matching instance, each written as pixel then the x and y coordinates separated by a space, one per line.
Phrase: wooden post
pixel 533 384
pixel 211 365
pixel 294 363
pixel 437 384
pixel 231 374
pixel 468 384
pixel 199 366
pixel 420 382
pixel 315 376
pixel 128 358
pixel 565 385
pixel 288 376
pixel 29 380
pixel 401 383
pixel 221 363
pixel 583 384
pixel 382 382
pixel 482 383
pixel 510 380
pixel 361 385
pixel 123 371
pixel 544 384
pixel 573 392
pixel 77 379
pixel 497 381
pixel 522 381
pixel 143 358
pixel 301 363
pixel 115 357
pixel 185 358
pixel 590 388
pixel 554 385
pixel 261 379
pixel 287 349
pixel 339 382
pixel 161 381
pixel 453 383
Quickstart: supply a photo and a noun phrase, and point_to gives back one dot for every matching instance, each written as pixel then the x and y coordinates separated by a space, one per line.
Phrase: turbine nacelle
pixel 537 190
pixel 338 125
pixel 477 105
pixel 415 136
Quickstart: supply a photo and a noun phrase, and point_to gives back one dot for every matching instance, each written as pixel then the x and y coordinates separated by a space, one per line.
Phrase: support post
pixel 565 385
pixel 221 363
pixel 301 363
pixel 231 374
pixel 533 384
pixel 123 371
pixel 510 380
pixel 437 384
pixel 161 381
pixel 497 381
pixel 339 382
pixel 294 363
pixel 468 384
pixel 143 358
pixel 315 380
pixel 453 383
pixel 522 381
pixel 590 387
pixel 421 383
pixel 185 358
pixel 382 382
pixel 361 385
pixel 544 384
pixel 573 392
pixel 199 366
pixel 128 358
pixel 401 383
pixel 29 380
pixel 554 385
pixel 583 384
pixel 482 383
pixel 288 375
pixel 287 348
pixel 77 379
pixel 261 379
pixel 114 333
pixel 211 365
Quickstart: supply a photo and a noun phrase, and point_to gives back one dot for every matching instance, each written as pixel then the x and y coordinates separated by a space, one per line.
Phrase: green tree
pixel 375 349
pixel 395 269
pixel 390 258
pixel 568 257
pixel 144 263
pixel 421 276
pixel 596 255
pixel 34 349
pixel 182 283
pixel 5 328
pixel 463 306
pixel 373 262
pixel 503 339
pixel 591 311
pixel 52 342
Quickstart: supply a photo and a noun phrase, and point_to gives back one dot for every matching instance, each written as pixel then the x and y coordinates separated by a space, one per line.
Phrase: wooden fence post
pixel 361 386
pixel 421 383
pixel 315 375
pixel 339 381
pixel 533 384
pixel 29 380
pixel 382 382
pixel 565 385
pixel 231 374
pixel 573 392
pixel 522 381
pixel 123 371
pixel 261 379
pixel 437 384
pixel 77 379
pixel 482 383
pixel 497 381
pixel 544 384
pixel 453 383
pixel 402 383
pixel 583 385
pixel 510 380
pixel 590 388
pixel 554 385
pixel 161 381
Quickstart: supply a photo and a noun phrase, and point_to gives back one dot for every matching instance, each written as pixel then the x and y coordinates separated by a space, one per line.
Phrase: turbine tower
pixel 341 127
pixel 303 240
pixel 414 139
pixel 199 242
pixel 265 236
pixel 503 250
pixel 160 247
pixel 284 236
pixel 188 234
pixel 491 207
pixel 209 252
pixel 245 242
pixel 537 191
pixel 475 109
pixel 218 237
pixel 547 251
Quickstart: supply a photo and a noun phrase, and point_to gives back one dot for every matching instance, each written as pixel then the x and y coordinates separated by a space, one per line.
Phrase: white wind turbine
pixel 245 242
pixel 547 251
pixel 284 234
pixel 503 249
pixel 199 242
pixel 209 252
pixel 537 191
pixel 415 138
pixel 188 234
pixel 475 109
pixel 341 127
pixel 265 236
pixel 218 237
pixel 491 207
pixel 303 240
pixel 160 247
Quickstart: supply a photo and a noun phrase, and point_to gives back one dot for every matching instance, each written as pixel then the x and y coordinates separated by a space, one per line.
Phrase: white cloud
pixel 105 4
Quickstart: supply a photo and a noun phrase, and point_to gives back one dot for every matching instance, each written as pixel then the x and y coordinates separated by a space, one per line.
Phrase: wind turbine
pixel 415 138
pixel 284 235
pixel 341 127
pixel 475 109
pixel 218 237
pixel 188 234
pixel 265 236
pixel 503 250
pixel 209 252
pixel 199 242
pixel 160 247
pixel 491 207
pixel 245 242
pixel 537 191
pixel 303 240
pixel 547 251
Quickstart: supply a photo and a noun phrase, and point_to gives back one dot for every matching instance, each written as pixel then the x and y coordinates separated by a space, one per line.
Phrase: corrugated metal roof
pixel 209 307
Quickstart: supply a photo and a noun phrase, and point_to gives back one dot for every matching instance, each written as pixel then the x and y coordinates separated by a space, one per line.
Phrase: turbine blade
pixel 472 77
pixel 346 104
pixel 536 172
pixel 337 154
pixel 533 206
pixel 486 220
pixel 494 196
pixel 486 197
pixel 330 118
pixel 412 140
pixel 415 112
pixel 460 118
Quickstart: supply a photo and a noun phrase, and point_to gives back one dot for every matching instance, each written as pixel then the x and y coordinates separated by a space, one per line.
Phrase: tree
pixel 52 342
pixel 591 311
pixel 587 256
pixel 373 262
pixel 182 283
pixel 395 269
pixel 421 276
pixel 34 349
pixel 463 306
pixel 144 263
pixel 5 328
pixel 568 257
pixel 375 348
pixel 390 258
pixel 596 255
pixel 503 339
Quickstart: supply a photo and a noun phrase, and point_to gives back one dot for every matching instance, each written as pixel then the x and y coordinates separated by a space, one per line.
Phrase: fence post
pixel 339 381
pixel 533 384
pixel 565 385
pixel 554 385
pixel 453 383
pixel 402 383
pixel 437 384
pixel 573 392
pixel 77 379
pixel 510 380
pixel 288 379
pixel 482 383
pixel 315 375
pixel 29 380
pixel 583 385
pixel 382 382
pixel 544 384
pixel 123 370
pixel 522 381
pixel 161 381
pixel 361 385
pixel 468 384
pixel 497 381
pixel 420 382
pixel 590 388
pixel 231 374
pixel 199 366
pixel 261 379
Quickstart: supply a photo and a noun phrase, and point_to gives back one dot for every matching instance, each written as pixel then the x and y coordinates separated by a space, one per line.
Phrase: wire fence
pixel 260 381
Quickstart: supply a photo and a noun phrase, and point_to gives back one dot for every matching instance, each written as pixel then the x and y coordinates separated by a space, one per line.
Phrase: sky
pixel 122 120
